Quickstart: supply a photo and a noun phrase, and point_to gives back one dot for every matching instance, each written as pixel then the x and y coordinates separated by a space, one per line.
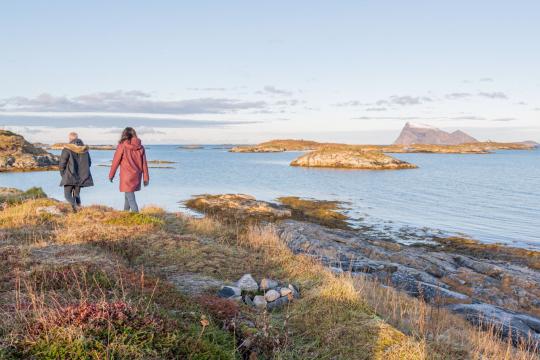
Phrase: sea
pixel 493 198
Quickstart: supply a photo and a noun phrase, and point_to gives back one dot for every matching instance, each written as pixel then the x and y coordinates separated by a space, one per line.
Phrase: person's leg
pixel 77 195
pixel 130 197
pixel 68 193
pixel 126 202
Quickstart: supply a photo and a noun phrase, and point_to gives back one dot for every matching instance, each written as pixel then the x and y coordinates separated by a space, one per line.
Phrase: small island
pixel 191 147
pixel 17 154
pixel 350 159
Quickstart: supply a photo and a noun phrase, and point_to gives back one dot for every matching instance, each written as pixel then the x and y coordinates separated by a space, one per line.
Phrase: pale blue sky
pixel 243 71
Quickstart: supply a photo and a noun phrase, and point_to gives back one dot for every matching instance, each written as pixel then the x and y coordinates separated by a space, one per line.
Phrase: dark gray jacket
pixel 75 165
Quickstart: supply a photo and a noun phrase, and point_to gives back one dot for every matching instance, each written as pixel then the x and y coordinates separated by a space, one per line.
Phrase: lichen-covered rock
pixel 17 154
pixel 247 283
pixel 276 304
pixel 267 284
pixel 350 159
pixel 272 295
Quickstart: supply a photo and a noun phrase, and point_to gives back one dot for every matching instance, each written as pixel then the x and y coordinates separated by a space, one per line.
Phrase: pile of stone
pixel 268 294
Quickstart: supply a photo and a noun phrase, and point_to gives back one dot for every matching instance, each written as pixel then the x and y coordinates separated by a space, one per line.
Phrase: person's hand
pixel 146 183
pixel 111 179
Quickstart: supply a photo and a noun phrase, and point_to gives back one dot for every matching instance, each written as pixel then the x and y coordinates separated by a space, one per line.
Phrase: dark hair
pixel 128 134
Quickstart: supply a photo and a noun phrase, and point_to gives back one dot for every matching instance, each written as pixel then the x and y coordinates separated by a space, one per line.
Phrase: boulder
pixel 267 284
pixel 278 303
pixel 519 327
pixel 247 283
pixel 285 291
pixel 50 210
pixel 272 295
pixel 260 302
pixel 229 292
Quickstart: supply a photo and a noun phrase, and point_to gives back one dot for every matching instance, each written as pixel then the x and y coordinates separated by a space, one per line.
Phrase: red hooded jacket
pixel 131 157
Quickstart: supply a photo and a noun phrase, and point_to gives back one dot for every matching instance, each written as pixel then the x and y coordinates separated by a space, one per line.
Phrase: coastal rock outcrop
pixel 238 207
pixel 414 133
pixel 501 291
pixel 350 159
pixel 279 146
pixel 17 154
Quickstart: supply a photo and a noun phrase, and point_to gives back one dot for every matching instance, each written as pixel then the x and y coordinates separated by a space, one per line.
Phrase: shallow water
pixel 493 198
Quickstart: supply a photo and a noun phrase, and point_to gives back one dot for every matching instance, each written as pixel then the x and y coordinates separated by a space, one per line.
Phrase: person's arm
pixel 89 160
pixel 116 160
pixel 146 175
pixel 64 157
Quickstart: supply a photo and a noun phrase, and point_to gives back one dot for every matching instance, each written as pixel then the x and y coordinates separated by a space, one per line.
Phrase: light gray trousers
pixel 130 202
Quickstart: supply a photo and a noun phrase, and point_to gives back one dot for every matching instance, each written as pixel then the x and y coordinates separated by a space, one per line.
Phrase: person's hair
pixel 73 136
pixel 128 134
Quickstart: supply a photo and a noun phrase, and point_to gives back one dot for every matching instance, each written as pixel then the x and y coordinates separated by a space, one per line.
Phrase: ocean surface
pixel 493 198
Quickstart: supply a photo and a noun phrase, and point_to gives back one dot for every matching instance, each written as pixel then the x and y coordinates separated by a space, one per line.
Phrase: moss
pixel 16 197
pixel 320 211
pixel 131 219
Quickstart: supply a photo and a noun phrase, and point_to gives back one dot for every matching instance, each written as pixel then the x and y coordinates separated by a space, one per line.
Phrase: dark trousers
pixel 73 195
pixel 130 203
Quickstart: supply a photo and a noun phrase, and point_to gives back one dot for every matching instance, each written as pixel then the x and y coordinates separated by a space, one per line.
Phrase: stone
pixel 229 292
pixel 294 292
pixel 518 327
pixel 267 284
pixel 285 291
pixel 260 302
pixel 271 295
pixel 248 301
pixel 278 303
pixel 247 283
pixel 51 210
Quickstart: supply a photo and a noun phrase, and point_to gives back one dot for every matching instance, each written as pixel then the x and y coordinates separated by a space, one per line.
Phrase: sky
pixel 245 71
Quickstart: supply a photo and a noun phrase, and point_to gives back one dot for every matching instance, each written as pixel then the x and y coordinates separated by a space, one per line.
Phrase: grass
pixel 13 196
pixel 104 284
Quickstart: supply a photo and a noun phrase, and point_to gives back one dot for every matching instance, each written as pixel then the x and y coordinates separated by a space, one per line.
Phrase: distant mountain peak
pixel 417 133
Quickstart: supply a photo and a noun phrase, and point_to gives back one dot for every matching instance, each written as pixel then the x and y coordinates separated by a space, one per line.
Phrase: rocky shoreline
pixel 18 155
pixel 490 286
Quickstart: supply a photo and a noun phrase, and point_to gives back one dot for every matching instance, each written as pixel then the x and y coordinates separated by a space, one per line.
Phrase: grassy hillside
pixel 106 284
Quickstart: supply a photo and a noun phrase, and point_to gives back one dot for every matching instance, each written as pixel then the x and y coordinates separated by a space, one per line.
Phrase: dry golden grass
pixel 100 256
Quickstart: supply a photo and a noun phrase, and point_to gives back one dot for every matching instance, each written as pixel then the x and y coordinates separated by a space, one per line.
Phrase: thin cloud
pixel 404 100
pixel 127 101
pixel 269 89
pixel 110 120
pixel 493 95
pixel 486 79
pixel 457 95
pixel 376 109
pixel 349 103
pixel 505 119
pixel 467 117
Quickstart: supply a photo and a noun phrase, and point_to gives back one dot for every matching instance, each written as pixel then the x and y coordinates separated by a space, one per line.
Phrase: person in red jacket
pixel 130 156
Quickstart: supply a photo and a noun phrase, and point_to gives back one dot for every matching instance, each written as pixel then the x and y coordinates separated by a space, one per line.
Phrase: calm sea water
pixel 493 198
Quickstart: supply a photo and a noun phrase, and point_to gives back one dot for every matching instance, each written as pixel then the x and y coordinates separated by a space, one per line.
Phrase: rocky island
pixel 17 154
pixel 350 159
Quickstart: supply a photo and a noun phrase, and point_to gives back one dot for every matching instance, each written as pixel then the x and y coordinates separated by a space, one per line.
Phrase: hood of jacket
pixel 79 149
pixel 133 144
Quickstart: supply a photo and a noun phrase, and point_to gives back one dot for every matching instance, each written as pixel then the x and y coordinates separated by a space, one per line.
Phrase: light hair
pixel 73 136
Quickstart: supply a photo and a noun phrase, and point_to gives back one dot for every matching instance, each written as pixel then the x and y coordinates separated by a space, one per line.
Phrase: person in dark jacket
pixel 130 156
pixel 74 166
